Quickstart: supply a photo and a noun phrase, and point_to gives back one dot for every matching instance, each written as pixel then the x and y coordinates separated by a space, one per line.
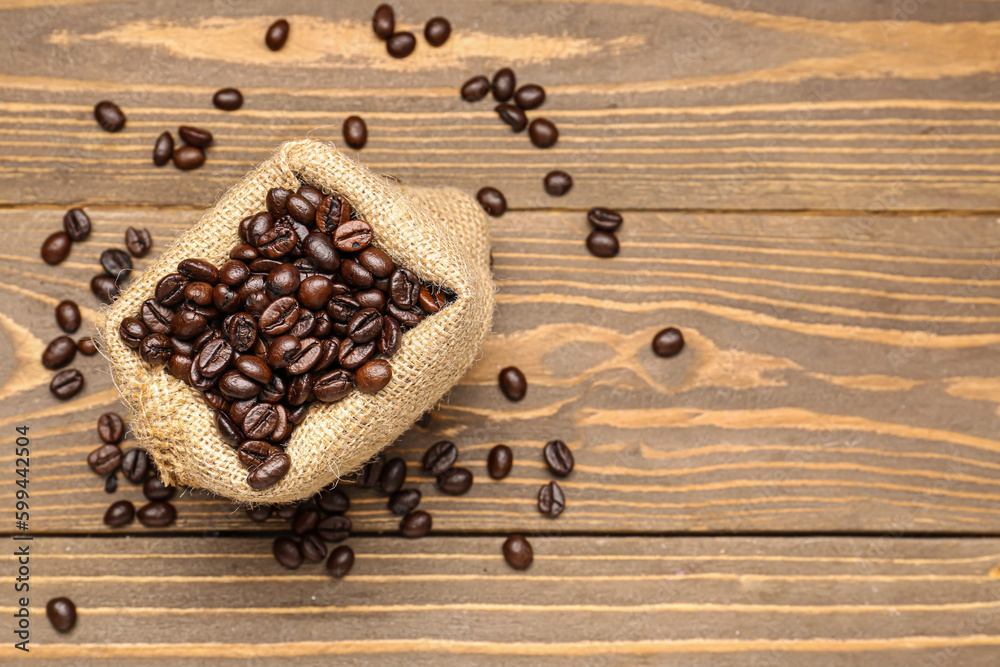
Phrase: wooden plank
pixel 622 601
pixel 661 104
pixel 831 382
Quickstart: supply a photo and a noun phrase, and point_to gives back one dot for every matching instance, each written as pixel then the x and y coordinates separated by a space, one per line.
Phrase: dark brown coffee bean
pixel 314 195
pixel 517 552
pixel 275 202
pixel 154 488
pixel 156 348
pixel 320 249
pixel 258 225
pixel 227 99
pixel 371 298
pixel 333 500
pixel 440 457
pixel 425 421
pixel 602 244
pixel 56 247
pixel 61 613
pixel 513 384
pixel 284 427
pixel 111 483
pixel 404 288
pixel 404 501
pixel 228 429
pixel 340 562
pixel 604 219
pixel 214 358
pixel 104 287
pixel 233 273
pixel 513 116
pixel 543 133
pixel 333 386
pixel 305 356
pixel 260 513
pixel 216 400
pixel 315 291
pixel 437 31
pixel 132 331
pixel 370 472
pixel 306 519
pixel 135 465
pixel 109 116
pixel 277 242
pixel 188 157
pixel 365 326
pixel 335 528
pixel 500 460
pixel 384 21
pixel 281 351
pixel 529 96
pixel 270 472
pixel 389 340
pixel 393 475
pixel 194 136
pixel 280 316
pixel 105 459
pixel 253 453
pixel 188 324
pixel 353 236
pixel 492 201
pixel 373 376
pixel 286 512
pixel 301 209
pixel 76 223
pixel 260 421
pixel 170 290
pixel 353 355
pixel 235 385
pixel 157 514
pixel 551 501
pixel 668 342
pixel 163 149
pixel 282 281
pixel 180 366
pixel 504 83
pixel 475 89
pixel 286 551
pixel 416 524
pixel 355 129
pixel 558 183
pixel 254 368
pixel 87 346
pixel 199 269
pixel 334 210
pixel 558 457
pixel 119 514
pixel 111 428
pixel 313 547
pixel 59 352
pixel 277 35
pixel 377 262
pixel 116 263
pixel 68 316
pixel 66 384
pixel 401 44
pixel 355 275
pixel 138 241
pixel 431 301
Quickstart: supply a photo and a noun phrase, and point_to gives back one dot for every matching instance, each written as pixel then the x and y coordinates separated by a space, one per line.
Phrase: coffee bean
pixel 277 242
pixel 492 200
pixel 76 223
pixel 356 131
pixel 111 428
pixel 529 96
pixel 513 116
pixel 61 613
pixel 389 340
pixel 286 512
pixel 300 208
pixel 68 316
pixel 227 99
pixel 334 528
pixel 233 273
pixel 543 133
pixel 558 183
pixel 604 219
pixel 163 149
pixel 235 385
pixel 111 483
pixel 313 547
pixel 377 262
pixel 314 195
pixel 455 481
pixel 437 31
pixel 551 501
pixel 475 89
pixel 370 472
pixel 280 316
pixel 340 562
pixel 305 357
pixel 157 514
pixel 668 342
pixel 384 21
pixel 371 298
pixel 513 384
pixel 404 288
pixel 393 475
pixel 287 553
pixel 253 453
pixel 254 368
pixel 277 35
pixel 188 157
pixel 365 325
pixel 194 136
pixel 401 44
pixel 416 524
pixel 354 274
pixel 105 459
pixel 260 421
pixel 353 236
pixel 517 552
pixel 260 513
pixel 132 331
pixel 242 332
pixel 58 353
pixel 270 472
pixel 138 241
pixel 135 464
pixel 558 457
pixel 213 358
pixel 104 287
pixel 154 488
pixel 116 263
pixel 333 386
pixel 333 500
pixel 404 501
pixel 109 116
pixel 500 460
pixel 373 376
pixel 504 83
pixel 66 384
pixel 56 247
pixel 155 348
pixel 119 513
pixel 440 456
pixel 282 281
pixel 170 290
pixel 431 301
pixel 87 346
pixel 602 244
pixel 306 519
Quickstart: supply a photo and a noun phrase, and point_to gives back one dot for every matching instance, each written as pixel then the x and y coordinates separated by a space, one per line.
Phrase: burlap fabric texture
pixel 439 233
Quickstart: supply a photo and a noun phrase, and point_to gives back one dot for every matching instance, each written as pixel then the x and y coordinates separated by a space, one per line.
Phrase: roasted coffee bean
pixel 156 348
pixel 333 500
pixel 377 262
pixel 373 376
pixel 313 194
pixel 135 465
pixel 225 299
pixel 275 202
pixel 260 513
pixel 235 385
pixel 258 225
pixel 56 247
pixel 365 326
pixel 87 346
pixel 353 355
pixel 322 251
pixel 227 99
pixel 105 459
pixel 333 385
pixel 355 129
pixel 233 273
pixel 500 460
pixel 287 552
pixel 300 209
pixel 437 31
pixel 111 428
pixel 401 44
pixel 370 472
pixel 333 211
pixel 111 483
pixel 551 501
pixel 404 501
pixel 371 298
pixel 228 429
pixel 188 157
pixel 382 285
pixel 415 524
pixel 104 288
pixel 286 512
pixel 440 457
pixel 455 481
pixel 355 275
pixel 529 96
pixel 157 514
pixel 194 136
pixel 280 316
pixel 109 116
pixel 431 301
pixel 340 562
pixel 384 21
pixel 306 519
pixel 76 223
pixel 558 457
pixel 119 513
pixel 277 242
pixel 492 201
pixel 558 183
pixel 513 116
pixel 199 269
pixel 517 552
pixel 282 281
pixel 253 453
pixel 240 409
pixel 389 340
pixel 281 351
pixel 188 324
pixel 61 613
pixel 216 400
pixel 256 303
pixel 154 488
pixel 543 133
pixel 353 236
pixel 604 219
pixel 305 357
pixel 214 358
pixel 66 384
pixel 393 475
pixel 132 331
pixel 513 384
pixel 138 241
pixel 170 290
pixel 315 292
pixel 58 353
pixel 68 316
pixel 254 368
pixel 313 547
pixel 260 421
pixel 475 89
pixel 404 288
pixel 504 83
pixel 334 528
pixel 668 342
pixel 602 244
pixel 277 35
pixel 163 149
pixel 116 263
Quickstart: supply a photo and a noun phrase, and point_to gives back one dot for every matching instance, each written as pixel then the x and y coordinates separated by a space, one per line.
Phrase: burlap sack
pixel 441 234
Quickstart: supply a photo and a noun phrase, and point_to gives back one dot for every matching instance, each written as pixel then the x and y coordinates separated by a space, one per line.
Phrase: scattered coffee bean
pixel 401 44
pixel 513 384
pixel 287 553
pixel 135 465
pixel 194 136
pixel 336 528
pixel 58 353
pixel 404 501
pixel 116 263
pixel 188 157
pixel 68 316
pixel 109 116
pixel 138 241
pixel 558 457
pixel 260 513
pixel 513 116
pixel 111 428
pixel 492 200
pixel 393 475
pixel 87 346
pixel 517 552
pixel 551 501
pixel 504 83
pixel 313 547
pixel 61 613
pixel 373 376
pixel 56 247
pixel 529 96
pixel 415 524
pixel 111 483
pixel 66 384
pixel 558 183
pixel 163 149
pixel 543 133
pixel 604 219
pixel 76 223
pixel 455 481
pixel 440 457
pixel 355 132
pixel 305 520
pixel 437 31
pixel 157 514
pixel 104 287
pixel 384 21
pixel 475 89
pixel 500 460
pixel 340 562
pixel 119 513
pixel 105 459
pixel 277 35
pixel 333 501
pixel 154 488
pixel 668 342
pixel 602 244
pixel 227 99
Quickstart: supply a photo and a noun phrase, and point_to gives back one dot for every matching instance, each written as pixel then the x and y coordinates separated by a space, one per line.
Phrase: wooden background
pixel 810 195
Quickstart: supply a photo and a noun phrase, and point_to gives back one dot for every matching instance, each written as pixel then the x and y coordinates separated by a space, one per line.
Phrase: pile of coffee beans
pixel 401 44
pixel 299 313
pixel 542 131
pixel 189 156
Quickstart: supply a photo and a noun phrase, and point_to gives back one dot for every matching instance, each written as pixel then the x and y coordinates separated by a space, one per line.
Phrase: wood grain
pixel 661 103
